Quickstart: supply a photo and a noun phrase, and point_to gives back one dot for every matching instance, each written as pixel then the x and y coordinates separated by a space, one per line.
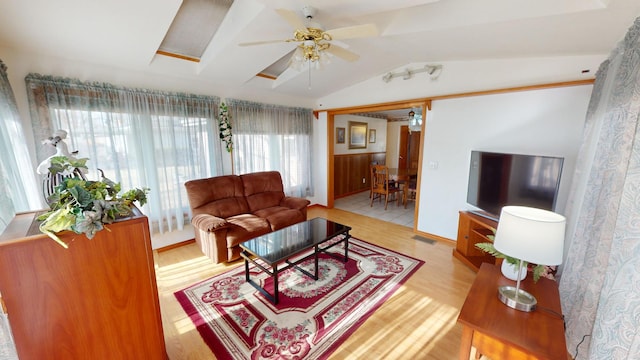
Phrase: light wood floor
pixel 417 322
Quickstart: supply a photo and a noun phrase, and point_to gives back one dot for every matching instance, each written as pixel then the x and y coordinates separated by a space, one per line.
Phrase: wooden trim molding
pixel 427 102
pixel 262 75
pixel 330 160
pixel 177 56
pixel 176 245
pixel 516 89
pixel 378 107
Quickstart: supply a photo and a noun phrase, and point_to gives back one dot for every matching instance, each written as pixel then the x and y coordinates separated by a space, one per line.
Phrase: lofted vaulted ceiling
pixel 128 35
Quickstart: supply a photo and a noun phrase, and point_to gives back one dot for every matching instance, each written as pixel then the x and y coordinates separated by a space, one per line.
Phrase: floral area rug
pixel 312 318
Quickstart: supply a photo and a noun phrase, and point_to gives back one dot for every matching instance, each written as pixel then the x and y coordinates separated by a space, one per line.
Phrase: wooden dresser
pixel 96 300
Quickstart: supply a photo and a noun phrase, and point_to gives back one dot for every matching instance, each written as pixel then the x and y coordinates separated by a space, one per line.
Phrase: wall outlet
pixel 364 181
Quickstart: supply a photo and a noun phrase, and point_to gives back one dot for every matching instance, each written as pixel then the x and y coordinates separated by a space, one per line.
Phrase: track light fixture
pixel 432 70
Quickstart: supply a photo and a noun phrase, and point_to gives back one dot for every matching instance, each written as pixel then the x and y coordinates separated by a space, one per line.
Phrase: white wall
pixel 540 122
pixel 380 125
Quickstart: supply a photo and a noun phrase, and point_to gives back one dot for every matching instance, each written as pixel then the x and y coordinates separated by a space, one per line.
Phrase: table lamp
pixel 532 235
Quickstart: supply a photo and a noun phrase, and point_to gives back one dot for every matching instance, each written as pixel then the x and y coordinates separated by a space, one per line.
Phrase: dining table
pixel 403 176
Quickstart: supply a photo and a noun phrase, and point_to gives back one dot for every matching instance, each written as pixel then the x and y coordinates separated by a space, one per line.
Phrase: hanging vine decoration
pixel 225 126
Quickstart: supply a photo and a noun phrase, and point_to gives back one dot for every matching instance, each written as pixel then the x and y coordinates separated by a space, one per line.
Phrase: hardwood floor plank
pixel 417 322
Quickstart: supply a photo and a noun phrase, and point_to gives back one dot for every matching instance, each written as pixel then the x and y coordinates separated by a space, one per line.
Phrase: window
pixel 139 138
pixel 269 137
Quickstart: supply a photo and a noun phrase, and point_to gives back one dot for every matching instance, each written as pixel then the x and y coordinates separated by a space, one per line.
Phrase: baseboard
pixel 317 206
pixel 176 245
pixel 434 237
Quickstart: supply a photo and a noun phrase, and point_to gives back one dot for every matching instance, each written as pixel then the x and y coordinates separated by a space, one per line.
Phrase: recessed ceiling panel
pixel 193 27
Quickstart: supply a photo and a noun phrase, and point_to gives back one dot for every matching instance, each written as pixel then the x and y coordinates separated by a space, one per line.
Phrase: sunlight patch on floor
pixel 183 325
pixel 429 330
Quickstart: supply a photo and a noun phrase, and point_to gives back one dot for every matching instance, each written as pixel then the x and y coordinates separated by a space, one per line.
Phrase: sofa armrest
pixel 295 203
pixel 209 223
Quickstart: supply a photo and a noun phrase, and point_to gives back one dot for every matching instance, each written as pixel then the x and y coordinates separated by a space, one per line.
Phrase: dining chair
pixel 371 183
pixel 411 193
pixel 381 186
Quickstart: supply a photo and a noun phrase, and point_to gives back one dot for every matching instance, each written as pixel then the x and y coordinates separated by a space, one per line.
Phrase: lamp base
pixel 517 298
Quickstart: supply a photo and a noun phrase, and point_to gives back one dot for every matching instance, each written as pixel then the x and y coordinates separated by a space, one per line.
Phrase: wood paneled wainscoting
pixel 351 172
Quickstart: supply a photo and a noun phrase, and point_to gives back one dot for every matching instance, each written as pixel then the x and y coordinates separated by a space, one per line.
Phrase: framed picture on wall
pixel 340 135
pixel 357 135
pixel 372 135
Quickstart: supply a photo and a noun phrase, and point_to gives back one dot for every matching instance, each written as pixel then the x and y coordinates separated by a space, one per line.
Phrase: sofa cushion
pixel 220 196
pixel 280 217
pixel 263 189
pixel 245 226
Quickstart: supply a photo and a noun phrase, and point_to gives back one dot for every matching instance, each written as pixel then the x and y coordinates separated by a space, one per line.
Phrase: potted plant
pixel 537 270
pixel 84 206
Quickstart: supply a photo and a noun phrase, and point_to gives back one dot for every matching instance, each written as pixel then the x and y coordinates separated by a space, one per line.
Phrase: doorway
pixel 413 142
pixel 409 150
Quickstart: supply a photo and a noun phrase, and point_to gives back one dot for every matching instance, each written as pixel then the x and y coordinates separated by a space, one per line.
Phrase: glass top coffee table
pixel 272 252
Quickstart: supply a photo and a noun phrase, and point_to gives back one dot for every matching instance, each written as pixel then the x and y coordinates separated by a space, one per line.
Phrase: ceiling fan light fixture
pixel 415 121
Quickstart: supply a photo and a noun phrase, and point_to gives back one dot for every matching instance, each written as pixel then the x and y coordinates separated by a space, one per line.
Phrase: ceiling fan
pixel 313 40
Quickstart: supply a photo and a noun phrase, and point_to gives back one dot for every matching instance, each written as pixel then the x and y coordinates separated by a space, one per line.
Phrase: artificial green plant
pixel 84 206
pixel 488 247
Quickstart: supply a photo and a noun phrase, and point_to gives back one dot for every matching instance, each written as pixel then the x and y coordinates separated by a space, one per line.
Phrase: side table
pixel 500 332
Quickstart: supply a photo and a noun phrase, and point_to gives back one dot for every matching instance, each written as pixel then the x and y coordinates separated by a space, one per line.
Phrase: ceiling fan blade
pixel 342 53
pixel 265 42
pixel 352 32
pixel 292 18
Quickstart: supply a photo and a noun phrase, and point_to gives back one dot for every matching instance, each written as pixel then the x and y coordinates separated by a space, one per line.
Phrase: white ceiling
pixel 127 33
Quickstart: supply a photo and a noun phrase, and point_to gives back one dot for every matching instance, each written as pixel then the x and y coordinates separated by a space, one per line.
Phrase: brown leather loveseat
pixel 228 210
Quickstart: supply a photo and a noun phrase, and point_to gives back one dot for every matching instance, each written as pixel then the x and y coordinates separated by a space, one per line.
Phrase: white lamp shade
pixel 530 234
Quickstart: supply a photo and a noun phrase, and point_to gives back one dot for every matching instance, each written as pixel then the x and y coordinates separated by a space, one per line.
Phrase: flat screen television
pixel 497 180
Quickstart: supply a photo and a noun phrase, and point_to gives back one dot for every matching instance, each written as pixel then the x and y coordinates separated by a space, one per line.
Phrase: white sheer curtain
pixel 140 138
pixel 600 280
pixel 270 137
pixel 13 190
pixel 17 182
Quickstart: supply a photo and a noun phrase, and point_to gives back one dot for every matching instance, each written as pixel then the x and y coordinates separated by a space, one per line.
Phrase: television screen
pixel 497 180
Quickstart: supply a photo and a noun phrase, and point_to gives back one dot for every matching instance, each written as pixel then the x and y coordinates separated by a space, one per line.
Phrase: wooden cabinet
pixel 350 170
pixel 473 229
pixel 96 300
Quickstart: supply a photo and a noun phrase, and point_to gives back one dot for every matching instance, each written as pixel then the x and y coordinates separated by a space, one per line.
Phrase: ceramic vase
pixel 511 271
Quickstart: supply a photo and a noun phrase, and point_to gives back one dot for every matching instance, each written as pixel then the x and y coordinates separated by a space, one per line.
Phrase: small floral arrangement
pixel 225 126
pixel 84 206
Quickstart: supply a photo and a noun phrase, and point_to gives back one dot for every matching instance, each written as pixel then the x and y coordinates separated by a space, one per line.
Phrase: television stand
pixel 484 214
pixel 472 229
